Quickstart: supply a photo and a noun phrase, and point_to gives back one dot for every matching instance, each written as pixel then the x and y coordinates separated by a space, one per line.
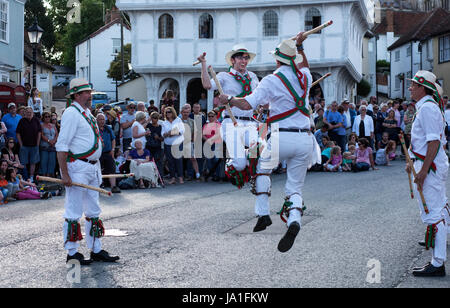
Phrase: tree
pixel 68 35
pixel 36 10
pixel 115 68
pixel 364 88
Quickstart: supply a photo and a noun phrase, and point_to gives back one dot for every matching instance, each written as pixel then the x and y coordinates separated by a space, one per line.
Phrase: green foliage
pixel 35 9
pixel 364 88
pixel 115 68
pixel 68 35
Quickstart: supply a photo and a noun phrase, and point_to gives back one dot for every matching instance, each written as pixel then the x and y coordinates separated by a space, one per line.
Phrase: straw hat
pixel 78 85
pixel 286 51
pixel 426 79
pixel 237 49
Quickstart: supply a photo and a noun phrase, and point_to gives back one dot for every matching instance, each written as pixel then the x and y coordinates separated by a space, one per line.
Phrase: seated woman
pixel 23 190
pixel 141 166
pixel 364 156
pixel 383 155
pixel 11 155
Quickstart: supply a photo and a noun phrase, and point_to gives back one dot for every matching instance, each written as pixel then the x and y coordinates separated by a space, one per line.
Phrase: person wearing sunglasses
pixel 238 82
pixel 126 122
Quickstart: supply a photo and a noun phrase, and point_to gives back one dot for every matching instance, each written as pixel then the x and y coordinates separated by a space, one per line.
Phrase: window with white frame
pixel 165 29
pixel 444 49
pixel 397 56
pixel 4 21
pixel 116 45
pixel 313 19
pixel 408 51
pixel 270 22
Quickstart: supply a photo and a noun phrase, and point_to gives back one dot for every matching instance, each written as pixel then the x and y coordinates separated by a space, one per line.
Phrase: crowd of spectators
pixel 358 137
pixel 140 140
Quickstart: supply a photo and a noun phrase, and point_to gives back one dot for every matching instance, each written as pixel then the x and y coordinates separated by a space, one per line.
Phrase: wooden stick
pixel 410 186
pixel 113 176
pixel 320 79
pixel 409 161
pixel 53 180
pixel 198 61
pixel 219 87
pixel 315 30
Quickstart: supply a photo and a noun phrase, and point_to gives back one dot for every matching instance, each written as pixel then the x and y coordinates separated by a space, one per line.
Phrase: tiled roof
pixel 436 22
pixel 103 28
pixel 399 22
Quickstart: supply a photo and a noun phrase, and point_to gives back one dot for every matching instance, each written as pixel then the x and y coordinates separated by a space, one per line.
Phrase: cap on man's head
pixel 11 105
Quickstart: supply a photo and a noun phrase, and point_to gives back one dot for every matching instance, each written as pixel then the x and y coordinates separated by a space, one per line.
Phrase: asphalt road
pixel 200 235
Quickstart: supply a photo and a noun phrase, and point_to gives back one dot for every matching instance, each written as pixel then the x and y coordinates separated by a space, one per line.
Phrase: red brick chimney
pixel 111 15
pixel 389 20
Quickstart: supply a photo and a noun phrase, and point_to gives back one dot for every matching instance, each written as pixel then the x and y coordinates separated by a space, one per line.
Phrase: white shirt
pixel 368 125
pixel 140 131
pixel 272 90
pixel 176 124
pixel 76 134
pixel 232 87
pixel 428 126
pixel 37 107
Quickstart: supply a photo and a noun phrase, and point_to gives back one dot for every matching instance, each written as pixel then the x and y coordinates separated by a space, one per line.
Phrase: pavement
pixel 359 230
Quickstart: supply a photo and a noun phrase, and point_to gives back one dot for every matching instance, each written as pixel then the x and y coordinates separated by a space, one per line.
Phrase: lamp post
pixel 34 34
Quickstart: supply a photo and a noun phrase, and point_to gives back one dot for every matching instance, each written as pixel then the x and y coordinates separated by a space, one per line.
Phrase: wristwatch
pixel 299 47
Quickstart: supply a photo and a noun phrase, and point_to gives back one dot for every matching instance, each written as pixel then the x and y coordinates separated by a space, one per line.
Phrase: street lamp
pixel 34 34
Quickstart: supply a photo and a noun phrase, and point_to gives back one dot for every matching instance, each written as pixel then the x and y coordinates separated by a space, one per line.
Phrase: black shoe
pixel 421 267
pixel 103 256
pixel 430 271
pixel 78 256
pixel 422 243
pixel 288 239
pixel 262 223
pixel 115 190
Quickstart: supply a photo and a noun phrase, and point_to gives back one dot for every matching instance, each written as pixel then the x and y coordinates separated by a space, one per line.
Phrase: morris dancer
pixel 285 90
pixel 79 148
pixel 431 164
pixel 240 82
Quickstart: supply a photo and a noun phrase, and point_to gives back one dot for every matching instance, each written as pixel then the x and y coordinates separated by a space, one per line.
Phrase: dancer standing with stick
pixel 427 152
pixel 79 148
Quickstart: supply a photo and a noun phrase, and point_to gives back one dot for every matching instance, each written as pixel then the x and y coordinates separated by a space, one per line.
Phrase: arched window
pixel 165 28
pixel 313 19
pixel 270 21
pixel 206 26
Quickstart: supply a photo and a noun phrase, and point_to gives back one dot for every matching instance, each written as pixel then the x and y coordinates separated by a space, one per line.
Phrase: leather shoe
pixel 288 239
pixel 103 256
pixel 430 271
pixel 420 267
pixel 78 256
pixel 422 243
pixel 262 223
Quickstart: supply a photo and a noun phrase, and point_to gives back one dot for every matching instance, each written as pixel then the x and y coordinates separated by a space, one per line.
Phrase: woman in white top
pixel 35 102
pixel 138 130
pixel 173 133
pixel 363 126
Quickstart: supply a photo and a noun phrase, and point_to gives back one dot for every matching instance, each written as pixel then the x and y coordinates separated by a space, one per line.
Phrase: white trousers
pixel 296 149
pixel 436 199
pixel 237 138
pixel 81 200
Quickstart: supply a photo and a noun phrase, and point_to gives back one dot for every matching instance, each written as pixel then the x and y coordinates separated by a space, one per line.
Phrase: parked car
pixel 99 98
pixel 123 104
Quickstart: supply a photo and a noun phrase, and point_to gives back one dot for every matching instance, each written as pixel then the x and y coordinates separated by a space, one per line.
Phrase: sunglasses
pixel 243 57
pixel 168 111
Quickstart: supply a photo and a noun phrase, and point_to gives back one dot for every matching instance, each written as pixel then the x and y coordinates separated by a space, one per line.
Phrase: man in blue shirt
pixel 11 120
pixel 107 161
pixel 335 120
